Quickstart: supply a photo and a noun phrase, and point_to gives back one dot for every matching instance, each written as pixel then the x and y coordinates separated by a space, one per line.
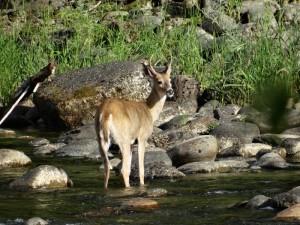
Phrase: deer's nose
pixel 170 92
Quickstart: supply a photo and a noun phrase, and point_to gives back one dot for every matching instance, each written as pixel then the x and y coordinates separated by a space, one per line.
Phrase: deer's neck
pixel 155 102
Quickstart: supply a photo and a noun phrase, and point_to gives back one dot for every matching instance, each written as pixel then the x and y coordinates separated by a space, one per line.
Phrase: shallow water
pixel 196 199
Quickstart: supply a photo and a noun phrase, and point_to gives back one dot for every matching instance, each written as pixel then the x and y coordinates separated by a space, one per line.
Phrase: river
pixel 195 199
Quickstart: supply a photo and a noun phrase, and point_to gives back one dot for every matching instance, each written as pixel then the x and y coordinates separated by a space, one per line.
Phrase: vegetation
pixel 236 71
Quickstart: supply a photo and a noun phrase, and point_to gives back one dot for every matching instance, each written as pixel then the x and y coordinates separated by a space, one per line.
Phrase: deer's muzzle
pixel 170 93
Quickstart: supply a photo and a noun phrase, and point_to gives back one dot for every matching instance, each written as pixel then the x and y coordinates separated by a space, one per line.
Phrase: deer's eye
pixel 159 82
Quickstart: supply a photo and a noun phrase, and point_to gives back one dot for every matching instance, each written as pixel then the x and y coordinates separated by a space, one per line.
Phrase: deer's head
pixel 162 81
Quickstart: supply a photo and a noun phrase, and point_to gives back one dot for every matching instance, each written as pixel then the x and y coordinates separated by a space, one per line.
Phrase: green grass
pixel 237 71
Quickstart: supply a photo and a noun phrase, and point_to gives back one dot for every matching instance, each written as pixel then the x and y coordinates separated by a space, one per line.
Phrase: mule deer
pixel 125 121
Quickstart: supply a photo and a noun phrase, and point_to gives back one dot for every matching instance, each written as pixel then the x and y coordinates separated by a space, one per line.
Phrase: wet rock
pixel 286 199
pixel 42 177
pixel 68 100
pixel 155 192
pixel 139 203
pixel 250 150
pixel 81 148
pixel 273 139
pixel 157 165
pixel 84 132
pixel 272 161
pixel 13 158
pixel 290 214
pixel 215 166
pixel 39 142
pixel 114 162
pixel 47 148
pixel 202 148
pixel 36 221
pixel 234 133
pixel 292 146
pixel 257 202
pixel 6 132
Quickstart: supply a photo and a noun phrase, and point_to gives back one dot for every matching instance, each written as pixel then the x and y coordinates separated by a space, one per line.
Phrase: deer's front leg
pixel 126 163
pixel 141 155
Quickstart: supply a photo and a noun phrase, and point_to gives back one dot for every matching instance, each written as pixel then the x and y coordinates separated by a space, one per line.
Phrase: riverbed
pixel 195 199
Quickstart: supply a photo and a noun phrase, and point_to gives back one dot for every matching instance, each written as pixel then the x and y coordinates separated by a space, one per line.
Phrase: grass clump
pixel 235 71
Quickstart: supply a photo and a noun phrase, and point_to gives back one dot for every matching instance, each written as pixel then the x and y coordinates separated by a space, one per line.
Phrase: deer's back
pixel 128 117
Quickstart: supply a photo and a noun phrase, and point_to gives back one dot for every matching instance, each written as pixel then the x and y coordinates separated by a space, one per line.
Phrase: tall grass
pixel 235 71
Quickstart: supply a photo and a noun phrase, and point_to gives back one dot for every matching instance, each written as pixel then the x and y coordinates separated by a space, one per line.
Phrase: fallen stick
pixel 30 86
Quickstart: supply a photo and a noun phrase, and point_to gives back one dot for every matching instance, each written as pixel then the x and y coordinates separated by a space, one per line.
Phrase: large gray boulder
pixel 71 98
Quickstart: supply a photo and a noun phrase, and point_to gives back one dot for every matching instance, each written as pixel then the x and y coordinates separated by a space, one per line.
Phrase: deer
pixel 124 122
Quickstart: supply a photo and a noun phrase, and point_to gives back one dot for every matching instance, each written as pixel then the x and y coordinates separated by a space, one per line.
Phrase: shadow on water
pixel 196 199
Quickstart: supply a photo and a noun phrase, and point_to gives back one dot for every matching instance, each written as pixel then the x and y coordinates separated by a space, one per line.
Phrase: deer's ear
pixel 168 72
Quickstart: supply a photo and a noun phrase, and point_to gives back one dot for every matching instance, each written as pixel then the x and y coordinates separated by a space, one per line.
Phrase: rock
pixel 218 23
pixel 148 21
pixel 208 108
pixel 84 132
pixel 157 165
pixel 290 214
pixel 39 142
pixel 42 177
pixel 260 12
pixel 15 120
pixel 292 131
pixel 36 221
pixel 185 88
pixel 250 150
pixel 47 148
pixel 202 148
pixel 273 139
pixel 71 98
pixel 272 161
pixel 176 122
pixel 257 202
pixel 292 146
pixel 114 162
pixel 193 128
pixel 234 133
pixel 13 158
pixel 172 109
pixel 6 133
pixel 155 192
pixel 139 203
pixel 215 166
pixel 291 14
pixel 81 148
pixel 286 199
pixel 226 113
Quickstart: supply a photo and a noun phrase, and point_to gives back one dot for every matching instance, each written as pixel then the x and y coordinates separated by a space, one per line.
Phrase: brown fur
pixel 125 121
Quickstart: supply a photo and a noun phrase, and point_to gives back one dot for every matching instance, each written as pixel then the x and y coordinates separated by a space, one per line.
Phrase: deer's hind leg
pixel 126 162
pixel 141 156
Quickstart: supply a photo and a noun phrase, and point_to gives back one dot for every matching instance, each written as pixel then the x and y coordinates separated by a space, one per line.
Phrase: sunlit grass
pixel 234 71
